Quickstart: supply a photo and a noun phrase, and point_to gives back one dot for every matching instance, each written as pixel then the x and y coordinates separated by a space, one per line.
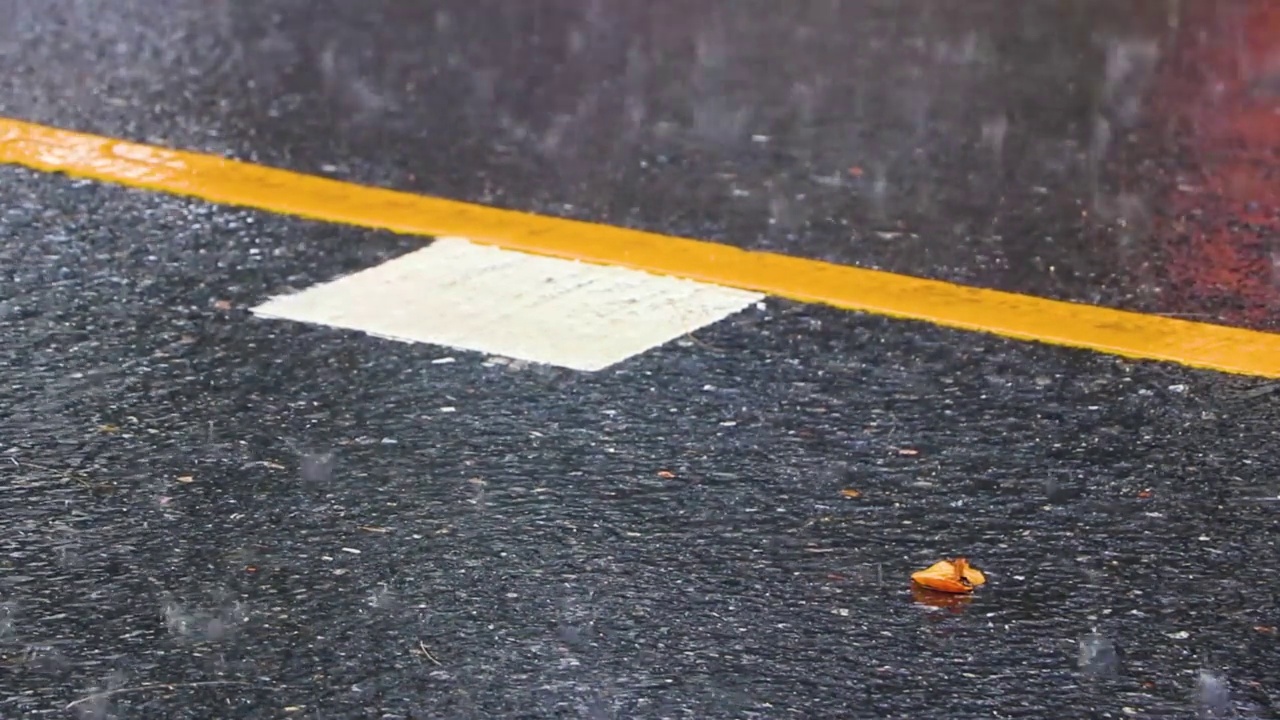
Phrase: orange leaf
pixel 850 493
pixel 953 576
pixel 666 474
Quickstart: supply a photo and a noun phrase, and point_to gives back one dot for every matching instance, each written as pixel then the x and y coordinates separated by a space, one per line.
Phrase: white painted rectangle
pixel 486 299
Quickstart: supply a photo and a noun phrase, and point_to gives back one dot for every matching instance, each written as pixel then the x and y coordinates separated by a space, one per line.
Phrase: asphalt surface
pixel 211 516
pixel 1026 146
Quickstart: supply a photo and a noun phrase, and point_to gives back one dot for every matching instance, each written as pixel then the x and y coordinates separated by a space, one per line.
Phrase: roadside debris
pixel 423 651
pixel 951 576
pixel 1260 391
pixel 851 493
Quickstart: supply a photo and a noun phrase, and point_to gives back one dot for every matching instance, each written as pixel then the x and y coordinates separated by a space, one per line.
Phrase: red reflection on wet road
pixel 941 600
pixel 1221 89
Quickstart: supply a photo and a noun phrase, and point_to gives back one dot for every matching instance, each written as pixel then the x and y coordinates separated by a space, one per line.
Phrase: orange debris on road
pixel 952 576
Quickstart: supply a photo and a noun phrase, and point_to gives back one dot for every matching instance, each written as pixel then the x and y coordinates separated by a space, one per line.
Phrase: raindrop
pixel 1099 142
pixel 804 102
pixel 1132 216
pixel 919 106
pixel 1213 698
pixel 1098 656
pixel 97 702
pixel 993 133
pixel 554 137
pixel 223 623
pixel 45 659
pixel 597 708
pixel 1057 492
pixel 216 629
pixel 484 84
pixel 317 468
pixel 880 192
pixel 636 110
pixel 444 21
pixel 717 122
pixel 1129 65
pixel 381 597
pixel 7 612
pixel 784 213
pixel 95 708
pixel 1052 488
pixel 570 635
pixel 177 620
pixel 712 51
pixel 347 87
pixel 863 574
pixel 637 67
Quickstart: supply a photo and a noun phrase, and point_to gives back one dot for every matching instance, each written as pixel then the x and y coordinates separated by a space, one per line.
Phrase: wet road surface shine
pixel 206 516
pixel 1023 317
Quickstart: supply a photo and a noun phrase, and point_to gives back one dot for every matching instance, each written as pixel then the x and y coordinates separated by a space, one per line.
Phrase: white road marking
pixel 501 302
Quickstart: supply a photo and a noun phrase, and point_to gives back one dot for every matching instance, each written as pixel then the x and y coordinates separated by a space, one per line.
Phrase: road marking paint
pixel 528 307
pixel 1023 317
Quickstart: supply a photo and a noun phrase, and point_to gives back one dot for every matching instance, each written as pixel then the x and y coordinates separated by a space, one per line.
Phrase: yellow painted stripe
pixel 1024 317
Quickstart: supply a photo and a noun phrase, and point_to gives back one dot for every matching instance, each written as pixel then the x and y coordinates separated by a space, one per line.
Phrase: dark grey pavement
pixel 210 516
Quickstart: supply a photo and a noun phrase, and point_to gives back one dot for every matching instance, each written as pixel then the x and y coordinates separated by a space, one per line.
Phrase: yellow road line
pixel 1024 317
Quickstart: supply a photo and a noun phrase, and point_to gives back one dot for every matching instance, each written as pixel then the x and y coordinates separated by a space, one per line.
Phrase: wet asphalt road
pixel 284 521
pixel 1035 147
